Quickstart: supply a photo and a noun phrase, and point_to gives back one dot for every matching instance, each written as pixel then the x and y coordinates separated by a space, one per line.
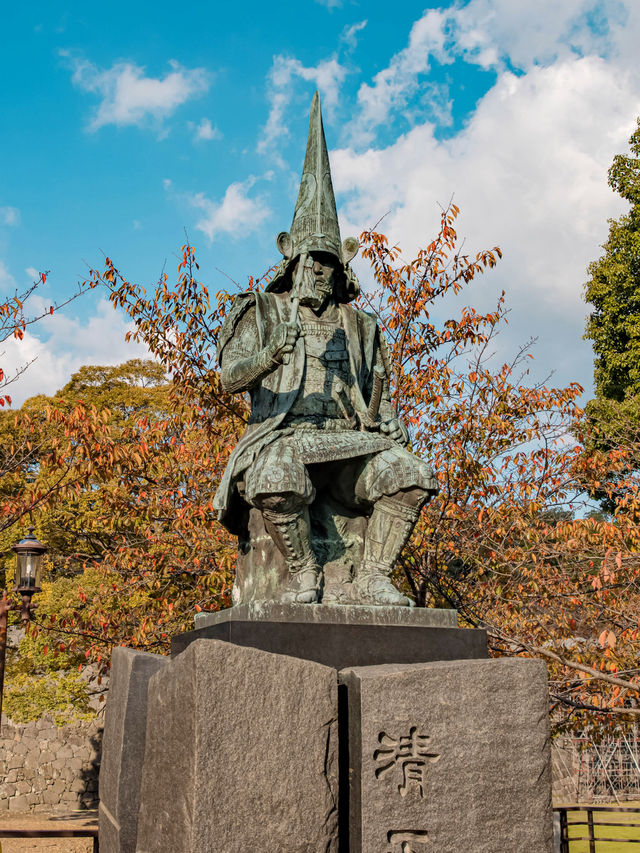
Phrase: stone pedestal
pixel 123 748
pixel 300 729
pixel 241 754
pixel 341 636
pixel 447 757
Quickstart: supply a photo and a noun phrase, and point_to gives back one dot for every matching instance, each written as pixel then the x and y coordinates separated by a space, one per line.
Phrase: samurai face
pixel 318 278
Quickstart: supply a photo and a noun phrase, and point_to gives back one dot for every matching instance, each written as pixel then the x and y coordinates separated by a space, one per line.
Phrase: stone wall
pixel 566 771
pixel 44 767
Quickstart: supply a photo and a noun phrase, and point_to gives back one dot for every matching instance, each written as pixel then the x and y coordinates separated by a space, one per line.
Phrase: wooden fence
pixel 589 819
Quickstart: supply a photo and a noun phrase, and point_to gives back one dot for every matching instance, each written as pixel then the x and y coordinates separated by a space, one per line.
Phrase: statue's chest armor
pixel 326 366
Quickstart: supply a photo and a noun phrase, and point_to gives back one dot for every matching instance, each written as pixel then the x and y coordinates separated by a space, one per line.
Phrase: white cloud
pixel 350 34
pixel 327 76
pixel 395 85
pixel 7 281
pixel 494 34
pixel 530 32
pixel 529 171
pixel 205 132
pixel 33 273
pixel 235 214
pixel 61 344
pixel 330 4
pixel 9 216
pixel 130 97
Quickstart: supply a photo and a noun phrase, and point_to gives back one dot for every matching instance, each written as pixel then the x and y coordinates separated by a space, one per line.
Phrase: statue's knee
pixel 278 481
pixel 396 472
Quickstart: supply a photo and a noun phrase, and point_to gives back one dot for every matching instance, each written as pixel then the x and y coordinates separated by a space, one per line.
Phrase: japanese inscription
pixel 406 841
pixel 410 754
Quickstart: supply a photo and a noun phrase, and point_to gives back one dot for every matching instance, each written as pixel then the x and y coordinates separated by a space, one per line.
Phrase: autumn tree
pixel 502 543
pixel 123 394
pixel 129 551
pixel 18 450
pixel 24 448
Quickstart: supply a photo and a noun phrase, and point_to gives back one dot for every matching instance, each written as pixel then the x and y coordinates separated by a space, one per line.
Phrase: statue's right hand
pixel 282 340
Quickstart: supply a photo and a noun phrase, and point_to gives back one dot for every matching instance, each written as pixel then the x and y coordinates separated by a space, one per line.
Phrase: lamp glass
pixel 29 569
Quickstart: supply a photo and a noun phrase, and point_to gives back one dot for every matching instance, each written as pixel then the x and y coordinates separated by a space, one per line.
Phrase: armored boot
pixel 290 532
pixel 389 529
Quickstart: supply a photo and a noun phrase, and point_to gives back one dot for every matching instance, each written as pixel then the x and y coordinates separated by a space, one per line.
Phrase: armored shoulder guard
pixel 240 306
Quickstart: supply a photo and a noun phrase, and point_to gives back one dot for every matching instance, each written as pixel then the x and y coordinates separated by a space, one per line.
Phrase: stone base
pixel 340 637
pixel 447 757
pixel 241 754
pixel 123 748
pixel 241 746
pixel 350 614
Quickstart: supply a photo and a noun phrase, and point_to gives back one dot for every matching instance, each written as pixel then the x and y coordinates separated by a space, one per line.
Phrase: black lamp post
pixel 29 558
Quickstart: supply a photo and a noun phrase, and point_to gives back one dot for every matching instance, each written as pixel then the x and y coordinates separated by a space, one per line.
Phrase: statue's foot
pixel 302 587
pixel 376 588
pixel 337 594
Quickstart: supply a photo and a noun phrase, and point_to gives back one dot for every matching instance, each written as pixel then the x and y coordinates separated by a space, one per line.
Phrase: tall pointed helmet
pixel 315 221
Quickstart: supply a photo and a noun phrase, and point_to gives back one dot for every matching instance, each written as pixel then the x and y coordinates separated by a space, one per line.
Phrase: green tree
pixel 614 288
pixel 44 673
pixel 612 418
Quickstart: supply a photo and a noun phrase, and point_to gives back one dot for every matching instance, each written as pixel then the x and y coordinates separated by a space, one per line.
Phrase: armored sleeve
pixel 235 337
pixel 242 363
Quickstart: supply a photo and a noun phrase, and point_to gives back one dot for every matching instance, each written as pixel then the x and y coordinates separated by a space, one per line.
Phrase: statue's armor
pixel 279 471
pixel 326 365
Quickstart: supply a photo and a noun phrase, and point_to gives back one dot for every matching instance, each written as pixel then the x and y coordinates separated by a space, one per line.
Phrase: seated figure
pixel 320 488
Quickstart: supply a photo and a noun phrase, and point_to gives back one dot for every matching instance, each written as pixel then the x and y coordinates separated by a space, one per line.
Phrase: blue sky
pixel 124 125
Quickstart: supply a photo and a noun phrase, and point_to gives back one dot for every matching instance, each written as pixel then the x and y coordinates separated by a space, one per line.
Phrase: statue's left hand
pixel 395 430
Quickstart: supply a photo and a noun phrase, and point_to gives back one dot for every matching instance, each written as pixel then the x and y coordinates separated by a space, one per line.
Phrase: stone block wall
pixel 566 771
pixel 45 767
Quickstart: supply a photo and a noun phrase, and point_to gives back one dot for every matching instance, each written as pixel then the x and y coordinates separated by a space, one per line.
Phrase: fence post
pixel 564 832
pixel 592 838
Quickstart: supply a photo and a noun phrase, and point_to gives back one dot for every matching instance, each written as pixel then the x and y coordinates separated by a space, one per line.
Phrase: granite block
pixel 123 747
pixel 352 614
pixel 241 754
pixel 449 756
pixel 341 637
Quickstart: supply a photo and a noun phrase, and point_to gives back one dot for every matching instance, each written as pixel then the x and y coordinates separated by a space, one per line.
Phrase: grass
pixel 621 830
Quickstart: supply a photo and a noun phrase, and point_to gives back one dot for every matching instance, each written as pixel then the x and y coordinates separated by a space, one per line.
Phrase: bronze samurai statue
pixel 320 488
